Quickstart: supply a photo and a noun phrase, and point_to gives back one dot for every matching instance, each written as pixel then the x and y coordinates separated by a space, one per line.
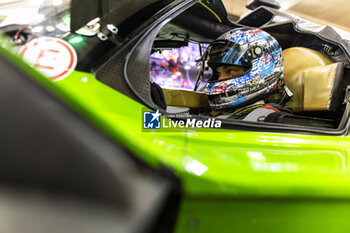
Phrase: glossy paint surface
pixel 232 180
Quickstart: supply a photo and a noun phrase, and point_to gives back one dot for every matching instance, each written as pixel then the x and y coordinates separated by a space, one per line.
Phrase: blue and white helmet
pixel 249 47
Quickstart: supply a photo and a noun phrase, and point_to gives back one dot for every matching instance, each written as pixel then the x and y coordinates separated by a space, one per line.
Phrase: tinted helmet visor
pixel 227 52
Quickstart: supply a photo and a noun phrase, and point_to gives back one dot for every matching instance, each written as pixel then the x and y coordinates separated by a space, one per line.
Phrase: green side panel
pixel 239 162
pixel 233 181
pixel 268 215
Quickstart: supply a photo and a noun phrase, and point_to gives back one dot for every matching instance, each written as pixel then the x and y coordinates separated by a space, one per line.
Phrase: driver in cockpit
pixel 247 67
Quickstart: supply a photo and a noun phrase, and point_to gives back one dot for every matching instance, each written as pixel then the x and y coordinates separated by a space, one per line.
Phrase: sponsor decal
pixel 53 57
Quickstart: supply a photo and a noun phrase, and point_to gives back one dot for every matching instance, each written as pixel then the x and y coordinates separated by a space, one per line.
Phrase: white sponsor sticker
pixel 53 57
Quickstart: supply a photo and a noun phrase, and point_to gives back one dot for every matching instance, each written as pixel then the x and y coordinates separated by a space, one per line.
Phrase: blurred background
pixel 325 12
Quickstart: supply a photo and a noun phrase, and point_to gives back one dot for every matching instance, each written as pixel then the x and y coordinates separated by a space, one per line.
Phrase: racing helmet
pixel 261 56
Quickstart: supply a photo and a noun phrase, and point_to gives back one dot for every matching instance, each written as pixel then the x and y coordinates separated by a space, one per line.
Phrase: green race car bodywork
pixel 250 181
pixel 232 180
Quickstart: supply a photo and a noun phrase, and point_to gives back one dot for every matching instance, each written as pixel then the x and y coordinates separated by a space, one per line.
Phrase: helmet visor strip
pixel 227 52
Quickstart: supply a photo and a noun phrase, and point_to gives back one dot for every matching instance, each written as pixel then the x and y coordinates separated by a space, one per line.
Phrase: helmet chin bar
pixel 237 98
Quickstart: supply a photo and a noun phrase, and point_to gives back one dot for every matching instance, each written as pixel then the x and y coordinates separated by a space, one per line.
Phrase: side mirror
pixel 257 3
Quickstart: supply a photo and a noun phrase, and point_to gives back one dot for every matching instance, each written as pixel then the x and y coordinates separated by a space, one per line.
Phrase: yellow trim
pixel 211 11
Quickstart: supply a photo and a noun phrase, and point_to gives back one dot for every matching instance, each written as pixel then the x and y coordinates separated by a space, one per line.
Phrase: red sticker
pixel 53 57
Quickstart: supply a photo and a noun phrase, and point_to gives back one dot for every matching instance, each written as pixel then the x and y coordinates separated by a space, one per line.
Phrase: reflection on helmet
pixel 246 47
